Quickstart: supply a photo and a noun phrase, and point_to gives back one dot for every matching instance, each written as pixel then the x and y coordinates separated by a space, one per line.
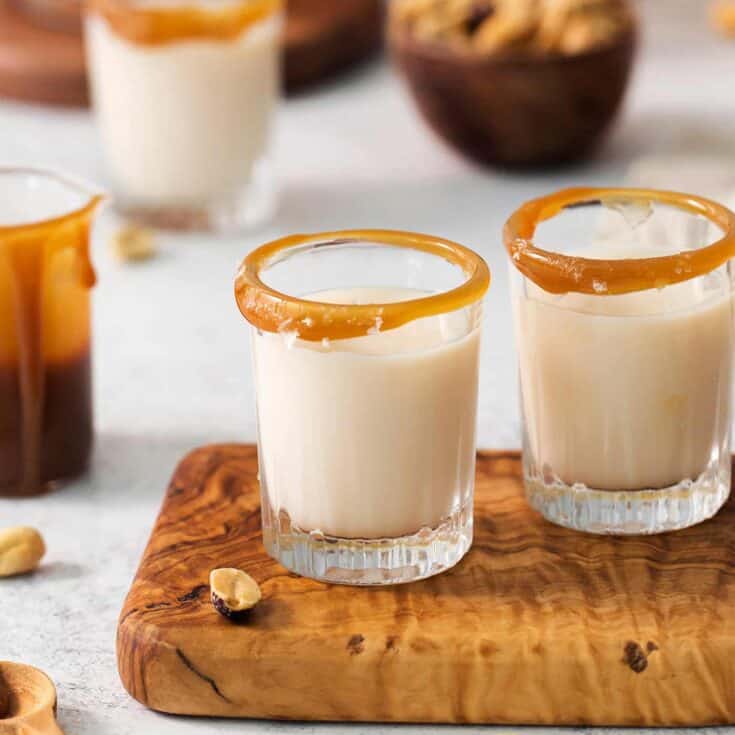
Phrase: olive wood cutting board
pixel 537 625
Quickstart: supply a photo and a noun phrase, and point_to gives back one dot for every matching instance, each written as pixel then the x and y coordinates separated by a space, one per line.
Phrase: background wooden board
pixel 37 64
pixel 324 37
pixel 537 625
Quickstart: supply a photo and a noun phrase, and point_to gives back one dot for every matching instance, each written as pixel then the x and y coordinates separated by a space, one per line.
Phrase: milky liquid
pixel 372 437
pixel 626 392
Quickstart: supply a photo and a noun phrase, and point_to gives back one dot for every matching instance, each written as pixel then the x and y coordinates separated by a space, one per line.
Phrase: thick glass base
pixel 369 561
pixel 250 208
pixel 627 512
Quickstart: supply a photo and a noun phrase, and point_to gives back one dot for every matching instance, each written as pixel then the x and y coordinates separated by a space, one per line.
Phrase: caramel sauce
pixel 272 311
pixel 45 402
pixel 559 274
pixel 155 25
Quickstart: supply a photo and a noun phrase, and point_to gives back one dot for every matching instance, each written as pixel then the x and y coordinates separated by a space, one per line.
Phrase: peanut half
pixel 132 243
pixel 234 593
pixel 21 550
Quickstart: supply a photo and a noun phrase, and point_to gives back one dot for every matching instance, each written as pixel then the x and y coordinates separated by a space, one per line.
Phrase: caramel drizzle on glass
pixel 28 248
pixel 272 311
pixel 559 274
pixel 157 25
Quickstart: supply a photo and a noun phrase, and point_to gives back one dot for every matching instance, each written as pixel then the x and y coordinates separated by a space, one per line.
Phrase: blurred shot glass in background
pixel 185 95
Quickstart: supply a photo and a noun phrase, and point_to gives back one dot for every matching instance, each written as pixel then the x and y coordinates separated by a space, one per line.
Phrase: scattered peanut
pixel 534 26
pixel 234 593
pixel 722 15
pixel 21 550
pixel 133 243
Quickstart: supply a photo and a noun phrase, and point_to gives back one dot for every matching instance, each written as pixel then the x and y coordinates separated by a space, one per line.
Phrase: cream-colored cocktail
pixel 370 437
pixel 366 400
pixel 185 95
pixel 625 368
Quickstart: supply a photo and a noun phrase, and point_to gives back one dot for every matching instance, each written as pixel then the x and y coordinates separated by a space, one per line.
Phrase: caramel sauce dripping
pixel 156 25
pixel 272 311
pixel 559 274
pixel 41 263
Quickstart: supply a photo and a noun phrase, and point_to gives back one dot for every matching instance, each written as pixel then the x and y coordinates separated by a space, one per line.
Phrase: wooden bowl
pixel 516 110
pixel 28 699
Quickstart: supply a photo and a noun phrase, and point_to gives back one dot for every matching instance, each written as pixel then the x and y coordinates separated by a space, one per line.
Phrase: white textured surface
pixel 172 368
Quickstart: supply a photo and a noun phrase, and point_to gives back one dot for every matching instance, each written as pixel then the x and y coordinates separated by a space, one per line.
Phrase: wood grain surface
pixel 537 625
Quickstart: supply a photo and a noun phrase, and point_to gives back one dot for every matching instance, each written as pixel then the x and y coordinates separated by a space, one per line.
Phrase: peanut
pixel 495 26
pixel 234 593
pixel 512 24
pixel 21 550
pixel 133 243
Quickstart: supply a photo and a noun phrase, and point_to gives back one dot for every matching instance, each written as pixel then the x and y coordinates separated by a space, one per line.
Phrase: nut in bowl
pixel 516 82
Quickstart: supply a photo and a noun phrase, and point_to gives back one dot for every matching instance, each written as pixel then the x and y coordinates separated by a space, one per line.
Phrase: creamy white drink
pixel 185 121
pixel 625 392
pixel 371 437
pixel 625 336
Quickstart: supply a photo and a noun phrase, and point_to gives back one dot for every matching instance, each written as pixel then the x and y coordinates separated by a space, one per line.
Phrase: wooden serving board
pixel 537 625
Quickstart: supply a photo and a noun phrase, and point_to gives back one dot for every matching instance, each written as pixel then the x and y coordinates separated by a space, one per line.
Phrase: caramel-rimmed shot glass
pixel 185 94
pixel 45 335
pixel 365 349
pixel 623 310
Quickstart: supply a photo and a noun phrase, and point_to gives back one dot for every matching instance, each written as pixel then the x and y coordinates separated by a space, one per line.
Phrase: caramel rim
pixel 559 274
pixel 272 311
pixel 80 215
pixel 161 25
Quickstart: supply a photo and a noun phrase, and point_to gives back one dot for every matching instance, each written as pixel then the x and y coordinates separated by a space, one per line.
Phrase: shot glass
pixel 185 94
pixel 623 310
pixel 365 348
pixel 45 373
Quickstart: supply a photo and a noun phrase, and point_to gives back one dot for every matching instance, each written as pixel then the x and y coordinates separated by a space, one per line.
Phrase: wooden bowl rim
pixel 44 698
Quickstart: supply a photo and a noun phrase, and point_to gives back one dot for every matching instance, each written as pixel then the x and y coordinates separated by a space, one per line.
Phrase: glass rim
pixel 161 24
pixel 92 199
pixel 558 273
pixel 271 310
